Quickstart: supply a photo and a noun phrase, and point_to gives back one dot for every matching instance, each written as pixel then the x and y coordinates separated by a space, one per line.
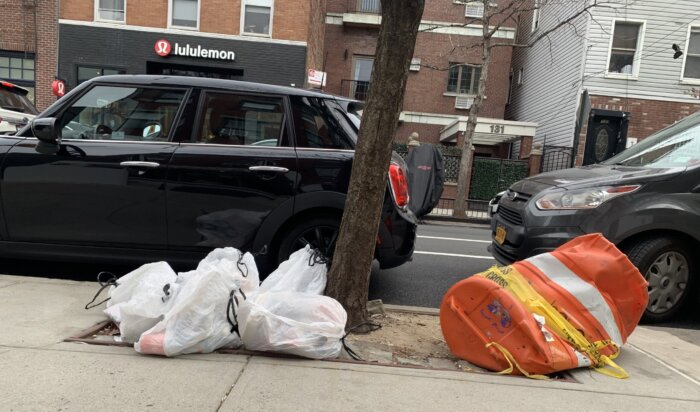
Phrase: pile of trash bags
pixel 222 304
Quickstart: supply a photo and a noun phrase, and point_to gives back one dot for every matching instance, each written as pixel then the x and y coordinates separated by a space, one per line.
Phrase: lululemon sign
pixel 163 48
pixel 58 88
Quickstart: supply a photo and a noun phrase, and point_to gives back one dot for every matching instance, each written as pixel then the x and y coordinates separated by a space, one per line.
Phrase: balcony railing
pixel 355 89
pixel 368 6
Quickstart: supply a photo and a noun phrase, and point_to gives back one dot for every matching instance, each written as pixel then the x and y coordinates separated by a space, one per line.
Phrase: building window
pixel 691 70
pixel 474 9
pixel 86 72
pixel 18 69
pixel 369 6
pixel 510 87
pixel 184 13
pixel 536 15
pixel 257 17
pixel 111 10
pixel 463 79
pixel 361 76
pixel 625 48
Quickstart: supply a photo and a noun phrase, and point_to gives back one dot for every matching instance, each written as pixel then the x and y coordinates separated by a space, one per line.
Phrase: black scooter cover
pixel 426 175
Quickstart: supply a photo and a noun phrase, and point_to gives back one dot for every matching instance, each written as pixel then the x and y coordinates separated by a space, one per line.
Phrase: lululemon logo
pixel 163 48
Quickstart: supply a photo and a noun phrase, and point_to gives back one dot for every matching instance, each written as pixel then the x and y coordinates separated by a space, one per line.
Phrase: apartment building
pixel 607 80
pixel 444 72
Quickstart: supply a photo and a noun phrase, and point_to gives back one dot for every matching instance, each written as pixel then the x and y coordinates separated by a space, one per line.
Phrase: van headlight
pixel 588 198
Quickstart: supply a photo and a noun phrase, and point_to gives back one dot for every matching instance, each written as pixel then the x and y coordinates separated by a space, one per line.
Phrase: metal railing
pixel 355 89
pixel 368 6
pixel 477 209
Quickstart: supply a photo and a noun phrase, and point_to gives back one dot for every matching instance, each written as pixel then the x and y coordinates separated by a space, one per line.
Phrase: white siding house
pixel 621 54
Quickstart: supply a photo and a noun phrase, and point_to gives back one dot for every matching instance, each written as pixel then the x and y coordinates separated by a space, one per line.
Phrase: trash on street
pixel 573 307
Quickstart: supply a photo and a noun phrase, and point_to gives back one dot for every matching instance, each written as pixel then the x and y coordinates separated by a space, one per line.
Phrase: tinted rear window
pixel 317 127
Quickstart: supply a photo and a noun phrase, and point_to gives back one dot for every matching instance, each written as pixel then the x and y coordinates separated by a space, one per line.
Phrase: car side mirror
pixel 46 131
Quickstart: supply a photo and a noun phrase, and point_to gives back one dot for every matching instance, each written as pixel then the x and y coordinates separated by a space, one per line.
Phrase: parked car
pixel 646 200
pixel 16 110
pixel 144 168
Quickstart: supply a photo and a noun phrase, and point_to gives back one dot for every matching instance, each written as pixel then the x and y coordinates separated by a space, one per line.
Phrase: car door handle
pixel 150 165
pixel 275 169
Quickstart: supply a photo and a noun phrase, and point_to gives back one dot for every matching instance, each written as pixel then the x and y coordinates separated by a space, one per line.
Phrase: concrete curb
pixel 412 309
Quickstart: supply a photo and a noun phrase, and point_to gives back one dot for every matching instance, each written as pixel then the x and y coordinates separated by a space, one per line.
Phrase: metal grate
pixel 510 215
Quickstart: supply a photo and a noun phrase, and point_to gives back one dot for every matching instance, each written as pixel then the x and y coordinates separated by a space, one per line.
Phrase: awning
pixel 489 131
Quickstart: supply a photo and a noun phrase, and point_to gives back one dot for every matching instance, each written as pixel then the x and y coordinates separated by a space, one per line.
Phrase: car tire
pixel 668 265
pixel 319 232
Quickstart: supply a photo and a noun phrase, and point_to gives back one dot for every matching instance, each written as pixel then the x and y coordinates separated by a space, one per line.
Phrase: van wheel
pixel 668 266
pixel 320 232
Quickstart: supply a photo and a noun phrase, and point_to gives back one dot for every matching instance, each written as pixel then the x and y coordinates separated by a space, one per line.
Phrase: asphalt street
pixel 445 254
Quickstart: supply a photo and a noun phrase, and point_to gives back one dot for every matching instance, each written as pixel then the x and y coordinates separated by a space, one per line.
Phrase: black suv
pixel 646 200
pixel 142 168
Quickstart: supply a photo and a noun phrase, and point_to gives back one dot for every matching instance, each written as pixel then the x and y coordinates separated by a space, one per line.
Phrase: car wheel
pixel 320 232
pixel 669 267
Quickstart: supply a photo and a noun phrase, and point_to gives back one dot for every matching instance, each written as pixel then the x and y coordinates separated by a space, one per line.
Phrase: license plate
pixel 500 235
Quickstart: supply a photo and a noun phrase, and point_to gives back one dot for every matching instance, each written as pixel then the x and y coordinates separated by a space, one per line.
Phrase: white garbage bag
pixel 136 304
pixel 197 322
pixel 297 323
pixel 231 260
pixel 302 272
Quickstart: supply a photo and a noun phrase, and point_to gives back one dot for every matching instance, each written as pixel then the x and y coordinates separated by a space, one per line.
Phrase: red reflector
pixel 7 84
pixel 399 185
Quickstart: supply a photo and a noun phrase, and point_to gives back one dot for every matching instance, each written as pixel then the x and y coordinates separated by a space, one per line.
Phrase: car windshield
pixel 16 102
pixel 674 146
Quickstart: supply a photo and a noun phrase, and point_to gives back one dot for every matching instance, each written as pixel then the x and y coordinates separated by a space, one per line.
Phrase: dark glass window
pixel 624 48
pixel 317 127
pixel 241 120
pixel 184 13
pixel 122 113
pixel 86 73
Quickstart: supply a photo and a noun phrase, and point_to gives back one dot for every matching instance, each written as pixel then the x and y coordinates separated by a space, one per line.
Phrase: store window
pixel 463 79
pixel 122 114
pixel 257 17
pixel 625 48
pixel 692 55
pixel 184 13
pixel 111 10
pixel 86 72
pixel 241 120
pixel 18 68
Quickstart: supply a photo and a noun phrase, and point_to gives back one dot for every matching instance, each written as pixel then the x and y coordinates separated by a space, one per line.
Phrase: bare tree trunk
pixel 348 280
pixel 465 163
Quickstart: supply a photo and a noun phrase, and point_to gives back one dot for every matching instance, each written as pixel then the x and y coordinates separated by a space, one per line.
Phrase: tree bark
pixel 348 280
pixel 465 163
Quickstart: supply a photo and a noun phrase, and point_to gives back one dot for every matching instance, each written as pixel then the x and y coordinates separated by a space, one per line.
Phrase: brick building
pixel 28 55
pixel 443 77
pixel 264 41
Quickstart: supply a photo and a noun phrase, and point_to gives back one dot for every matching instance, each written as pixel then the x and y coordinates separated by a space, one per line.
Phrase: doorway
pixel 606 135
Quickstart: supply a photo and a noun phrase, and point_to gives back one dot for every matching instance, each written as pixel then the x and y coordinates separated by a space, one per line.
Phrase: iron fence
pixel 556 158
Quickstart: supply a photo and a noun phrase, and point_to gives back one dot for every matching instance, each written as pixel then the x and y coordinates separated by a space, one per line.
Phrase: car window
pixel 10 100
pixel 675 146
pixel 236 119
pixel 122 113
pixel 317 127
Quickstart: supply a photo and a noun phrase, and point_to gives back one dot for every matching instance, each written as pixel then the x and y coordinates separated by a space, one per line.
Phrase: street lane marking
pixel 453 238
pixel 452 254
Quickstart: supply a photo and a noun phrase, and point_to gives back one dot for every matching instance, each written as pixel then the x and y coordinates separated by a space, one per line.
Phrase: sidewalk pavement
pixel 40 372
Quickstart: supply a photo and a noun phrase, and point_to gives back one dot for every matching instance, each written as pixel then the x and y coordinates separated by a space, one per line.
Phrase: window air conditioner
pixel 463 102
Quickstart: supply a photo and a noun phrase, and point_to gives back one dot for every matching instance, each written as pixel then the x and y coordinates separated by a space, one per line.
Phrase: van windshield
pixel 674 146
